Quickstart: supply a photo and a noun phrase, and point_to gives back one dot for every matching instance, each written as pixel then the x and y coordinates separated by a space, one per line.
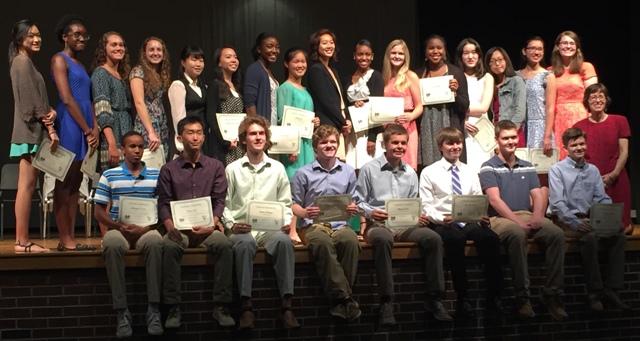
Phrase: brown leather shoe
pixel 247 320
pixel 289 320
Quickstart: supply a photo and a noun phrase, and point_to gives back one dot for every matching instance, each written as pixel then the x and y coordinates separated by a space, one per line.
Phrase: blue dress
pixel 69 132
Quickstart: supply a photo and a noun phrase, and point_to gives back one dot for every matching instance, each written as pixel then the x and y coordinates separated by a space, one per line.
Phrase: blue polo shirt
pixel 514 183
pixel 119 181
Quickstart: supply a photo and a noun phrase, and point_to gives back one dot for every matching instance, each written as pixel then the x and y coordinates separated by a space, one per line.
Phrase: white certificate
pixel 360 117
pixel 228 124
pixel 284 140
pixel 523 154
pixel 469 208
pixel 191 213
pixel 435 90
pixel 606 219
pixel 153 159
pixel 299 118
pixel 385 109
pixel 55 164
pixel 265 215
pixel 332 207
pixel 541 161
pixel 138 211
pixel 403 212
pixel 90 163
pixel 486 134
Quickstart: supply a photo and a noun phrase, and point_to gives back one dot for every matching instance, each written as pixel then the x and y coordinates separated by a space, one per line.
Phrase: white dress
pixel 476 156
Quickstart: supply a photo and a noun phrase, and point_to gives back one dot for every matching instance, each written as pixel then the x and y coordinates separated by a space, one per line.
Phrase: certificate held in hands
pixel 228 124
pixel 360 117
pixel 265 215
pixel 153 159
pixel 486 133
pixel 332 208
pixel 190 213
pixel 284 140
pixel 435 90
pixel 55 164
pixel 538 159
pixel 89 164
pixel 606 219
pixel 385 109
pixel 403 212
pixel 469 208
pixel 138 211
pixel 299 118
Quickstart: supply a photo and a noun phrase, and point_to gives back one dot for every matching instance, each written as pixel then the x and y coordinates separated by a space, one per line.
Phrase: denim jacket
pixel 513 100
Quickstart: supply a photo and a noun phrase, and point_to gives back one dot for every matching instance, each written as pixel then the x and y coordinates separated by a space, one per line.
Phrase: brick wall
pixel 76 304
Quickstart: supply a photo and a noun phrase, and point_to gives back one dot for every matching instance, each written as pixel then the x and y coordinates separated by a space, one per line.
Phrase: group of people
pixel 119 112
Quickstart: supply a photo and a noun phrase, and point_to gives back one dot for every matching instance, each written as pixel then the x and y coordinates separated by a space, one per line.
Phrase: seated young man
pixel 258 177
pixel 194 175
pixel 574 186
pixel 132 179
pixel 333 244
pixel 438 183
pixel 387 177
pixel 517 209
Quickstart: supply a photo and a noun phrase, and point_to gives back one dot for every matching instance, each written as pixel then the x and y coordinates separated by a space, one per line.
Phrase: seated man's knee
pixel 113 240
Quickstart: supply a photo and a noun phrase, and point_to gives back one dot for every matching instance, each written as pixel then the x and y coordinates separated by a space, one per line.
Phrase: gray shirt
pixel 31 103
pixel 514 183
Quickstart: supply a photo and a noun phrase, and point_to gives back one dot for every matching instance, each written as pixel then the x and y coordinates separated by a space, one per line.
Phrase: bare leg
pixel 27 177
pixel 65 204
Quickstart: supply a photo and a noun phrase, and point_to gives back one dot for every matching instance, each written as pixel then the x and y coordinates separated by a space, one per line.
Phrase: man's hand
pixel 379 215
pixel 352 208
pixel 485 221
pixel 202 230
pixel 312 212
pixel 535 223
pixel 447 219
pixel 423 220
pixel 175 235
pixel 285 228
pixel 240 228
pixel 134 231
pixel 584 226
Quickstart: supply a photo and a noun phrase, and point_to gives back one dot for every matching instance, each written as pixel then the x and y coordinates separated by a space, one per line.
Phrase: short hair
pixel 593 88
pixel 449 134
pixel 64 25
pixel 322 132
pixel 505 125
pixel 314 44
pixel 572 134
pixel 393 129
pixel 259 39
pixel 244 126
pixel 129 134
pixel 189 120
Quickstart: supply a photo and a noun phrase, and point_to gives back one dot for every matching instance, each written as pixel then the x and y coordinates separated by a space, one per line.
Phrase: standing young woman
pixel 399 81
pixel 573 75
pixel 509 96
pixel 223 96
pixel 541 95
pixel 439 116
pixel 149 80
pixel 76 123
pixel 111 98
pixel 326 89
pixel 294 94
pixel 32 120
pixel 365 82
pixel 469 58
pixel 260 85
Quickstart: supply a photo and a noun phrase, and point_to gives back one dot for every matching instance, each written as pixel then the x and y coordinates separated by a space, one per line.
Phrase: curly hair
pixel 244 127
pixel 155 78
pixel 100 57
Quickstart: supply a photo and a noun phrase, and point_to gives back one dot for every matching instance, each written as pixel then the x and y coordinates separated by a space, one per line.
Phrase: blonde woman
pixel 399 81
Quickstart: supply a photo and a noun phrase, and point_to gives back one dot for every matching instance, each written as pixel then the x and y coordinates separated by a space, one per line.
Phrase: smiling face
pixel 363 57
pixel 327 148
pixel 297 66
pixel 577 148
pixel 256 138
pixel 534 52
pixel 154 52
pixel 451 150
pixel 470 56
pixel 497 63
pixel 397 56
pixel 32 42
pixel 507 141
pixel 435 52
pixel 567 46
pixel 396 147
pixel 77 37
pixel 326 46
pixel 228 60
pixel 193 66
pixel 115 48
pixel 269 50
pixel 597 102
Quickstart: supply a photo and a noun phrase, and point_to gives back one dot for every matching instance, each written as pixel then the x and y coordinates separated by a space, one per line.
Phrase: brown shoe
pixel 247 320
pixel 525 311
pixel 555 307
pixel 289 320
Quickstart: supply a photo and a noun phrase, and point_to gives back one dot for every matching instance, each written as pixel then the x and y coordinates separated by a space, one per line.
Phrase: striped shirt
pixel 116 182
pixel 514 183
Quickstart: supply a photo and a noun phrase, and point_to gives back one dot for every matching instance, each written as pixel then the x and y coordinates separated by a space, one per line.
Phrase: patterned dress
pixel 231 105
pixel 112 103
pixel 155 108
pixel 536 108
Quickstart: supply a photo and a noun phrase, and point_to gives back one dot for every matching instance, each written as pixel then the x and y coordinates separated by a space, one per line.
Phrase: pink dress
pixel 603 152
pixel 569 109
pixel 411 156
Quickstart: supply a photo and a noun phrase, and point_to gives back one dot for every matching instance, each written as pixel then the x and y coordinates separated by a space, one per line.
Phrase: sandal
pixel 28 246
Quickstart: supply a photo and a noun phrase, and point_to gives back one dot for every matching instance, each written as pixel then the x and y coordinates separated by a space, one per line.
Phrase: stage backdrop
pixel 605 33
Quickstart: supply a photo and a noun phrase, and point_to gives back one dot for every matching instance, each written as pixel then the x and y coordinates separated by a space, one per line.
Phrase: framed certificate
pixel 299 118
pixel 435 90
pixel 284 140
pixel 333 207
pixel 228 124
pixel 265 215
pixel 138 211
pixel 385 109
pixel 606 219
pixel 469 208
pixel 486 134
pixel 153 159
pixel 192 212
pixel 403 212
pixel 89 164
pixel 55 164
pixel 538 159
pixel 360 117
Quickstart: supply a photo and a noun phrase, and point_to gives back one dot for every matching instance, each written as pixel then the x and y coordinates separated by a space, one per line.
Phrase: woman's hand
pixel 233 144
pixel 453 84
pixel 470 128
pixel 402 119
pixel 358 104
pixel 316 121
pixel 154 141
pixel 114 155
pixel 547 147
pixel 293 157
pixel 93 138
pixel 346 129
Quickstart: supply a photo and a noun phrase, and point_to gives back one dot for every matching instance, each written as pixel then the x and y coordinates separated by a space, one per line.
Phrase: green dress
pixel 289 94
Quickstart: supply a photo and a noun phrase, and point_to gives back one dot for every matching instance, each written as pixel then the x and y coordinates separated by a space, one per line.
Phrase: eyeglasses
pixel 496 61
pixel 597 98
pixel 567 43
pixel 78 35
pixel 535 48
